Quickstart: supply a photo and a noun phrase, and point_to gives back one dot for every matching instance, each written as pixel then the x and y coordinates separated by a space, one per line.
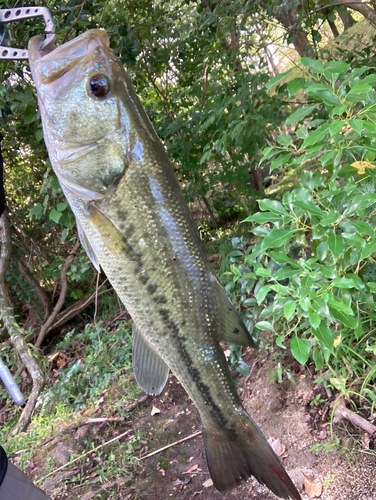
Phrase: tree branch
pixel 15 332
pixel 64 288
pixel 40 292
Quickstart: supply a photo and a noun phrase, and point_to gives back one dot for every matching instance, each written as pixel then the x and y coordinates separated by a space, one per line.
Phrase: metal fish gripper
pixel 18 14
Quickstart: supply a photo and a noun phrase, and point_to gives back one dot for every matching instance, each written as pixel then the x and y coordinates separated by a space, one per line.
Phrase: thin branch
pixel 342 412
pixel 64 288
pixel 172 444
pixel 85 454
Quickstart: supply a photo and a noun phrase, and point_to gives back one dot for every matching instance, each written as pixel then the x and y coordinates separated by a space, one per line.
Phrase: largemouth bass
pixel 134 224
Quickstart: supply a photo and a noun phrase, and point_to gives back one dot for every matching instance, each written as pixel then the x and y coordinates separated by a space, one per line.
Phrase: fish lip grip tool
pixel 10 384
pixel 18 14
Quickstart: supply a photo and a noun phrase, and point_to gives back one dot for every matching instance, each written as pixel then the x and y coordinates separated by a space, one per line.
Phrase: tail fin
pixel 242 452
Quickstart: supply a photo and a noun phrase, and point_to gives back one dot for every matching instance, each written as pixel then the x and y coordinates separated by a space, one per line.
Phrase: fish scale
pixel 135 225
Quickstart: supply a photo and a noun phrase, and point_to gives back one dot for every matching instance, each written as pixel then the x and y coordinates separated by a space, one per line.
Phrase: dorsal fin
pixel 233 330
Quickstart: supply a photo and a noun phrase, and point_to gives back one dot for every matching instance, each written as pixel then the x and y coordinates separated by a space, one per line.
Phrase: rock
pixel 63 451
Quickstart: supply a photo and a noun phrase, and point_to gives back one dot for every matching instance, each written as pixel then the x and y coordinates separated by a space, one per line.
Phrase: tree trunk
pixel 258 180
pixel 362 8
pixel 334 29
pixel 210 211
pixel 15 332
pixel 346 18
pixel 289 20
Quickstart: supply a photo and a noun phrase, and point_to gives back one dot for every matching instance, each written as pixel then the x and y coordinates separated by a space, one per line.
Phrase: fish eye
pixel 99 86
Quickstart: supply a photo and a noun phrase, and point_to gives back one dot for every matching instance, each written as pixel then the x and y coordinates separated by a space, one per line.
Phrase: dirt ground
pixel 282 411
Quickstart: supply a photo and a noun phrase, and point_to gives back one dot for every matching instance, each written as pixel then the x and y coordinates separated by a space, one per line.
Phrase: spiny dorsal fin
pixel 150 370
pixel 233 330
pixel 88 248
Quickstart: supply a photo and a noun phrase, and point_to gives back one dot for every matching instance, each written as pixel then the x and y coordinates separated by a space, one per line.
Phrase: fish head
pixel 81 96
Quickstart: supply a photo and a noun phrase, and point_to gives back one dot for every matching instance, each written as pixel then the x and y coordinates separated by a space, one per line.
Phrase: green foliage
pixel 310 275
pixel 234 360
pixel 104 357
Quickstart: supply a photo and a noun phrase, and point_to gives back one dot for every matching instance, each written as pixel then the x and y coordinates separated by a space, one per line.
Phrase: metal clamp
pixel 12 15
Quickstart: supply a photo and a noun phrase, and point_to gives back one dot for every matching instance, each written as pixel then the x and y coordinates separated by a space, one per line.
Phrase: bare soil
pixel 282 411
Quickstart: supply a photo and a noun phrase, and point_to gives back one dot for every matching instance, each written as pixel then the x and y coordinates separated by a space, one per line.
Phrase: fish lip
pixel 74 49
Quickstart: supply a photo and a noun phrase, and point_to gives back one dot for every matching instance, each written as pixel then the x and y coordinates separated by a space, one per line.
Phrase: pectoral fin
pixel 88 248
pixel 233 330
pixel 150 370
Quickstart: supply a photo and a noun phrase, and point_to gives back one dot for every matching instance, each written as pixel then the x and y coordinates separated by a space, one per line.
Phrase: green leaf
pixel 279 341
pixel 359 203
pixel 360 284
pixel 30 114
pixel 336 244
pixel 300 113
pixel 339 305
pixel 286 272
pixel 302 132
pixel 368 250
pixel 357 125
pixel 261 230
pixel 289 309
pixel 324 334
pixel 322 250
pixel 370 79
pixel 320 306
pixel 264 325
pixel 322 92
pixel 309 207
pixel 330 217
pixel 284 139
pixel 61 207
pixel 269 152
pixel 360 88
pixel 335 126
pixel 344 283
pixel 274 206
pixel 262 292
pixel 315 65
pixel 242 367
pixel 276 238
pixel 353 239
pixel 262 217
pixel 55 216
pixel 315 136
pixel 318 358
pixel 329 271
pixel 36 211
pixel 263 272
pixel 295 85
pixel 64 235
pixel 344 318
pixel 363 227
pixel 280 160
pixel 282 258
pixel 314 318
pixel 300 350
pixel 277 79
pixel 333 69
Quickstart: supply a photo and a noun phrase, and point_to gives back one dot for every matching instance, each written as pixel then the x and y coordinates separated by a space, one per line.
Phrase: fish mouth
pixel 49 63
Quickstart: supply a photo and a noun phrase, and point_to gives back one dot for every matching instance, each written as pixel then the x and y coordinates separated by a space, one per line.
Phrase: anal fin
pixel 150 371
